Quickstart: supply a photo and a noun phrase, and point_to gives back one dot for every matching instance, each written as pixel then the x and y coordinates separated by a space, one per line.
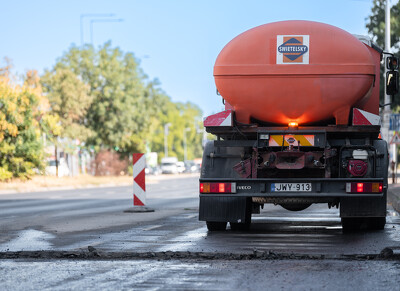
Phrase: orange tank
pixel 297 71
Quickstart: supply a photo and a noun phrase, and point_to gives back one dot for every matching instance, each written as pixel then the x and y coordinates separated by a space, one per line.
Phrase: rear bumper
pixel 235 207
pixel 321 188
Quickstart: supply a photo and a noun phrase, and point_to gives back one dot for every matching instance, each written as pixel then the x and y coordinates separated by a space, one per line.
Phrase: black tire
pixel 216 225
pixel 351 224
pixel 240 226
pixel 376 223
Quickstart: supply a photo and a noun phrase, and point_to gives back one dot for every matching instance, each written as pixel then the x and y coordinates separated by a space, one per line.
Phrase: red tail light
pixel 217 187
pixel 365 187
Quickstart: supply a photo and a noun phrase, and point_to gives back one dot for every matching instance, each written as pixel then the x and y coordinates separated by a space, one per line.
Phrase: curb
pixel 393 196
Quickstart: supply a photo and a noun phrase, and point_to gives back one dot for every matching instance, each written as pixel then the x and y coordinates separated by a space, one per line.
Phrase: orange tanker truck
pixel 301 125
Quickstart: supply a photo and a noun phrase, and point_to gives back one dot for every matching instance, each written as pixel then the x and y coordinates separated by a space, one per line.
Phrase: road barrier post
pixel 139 184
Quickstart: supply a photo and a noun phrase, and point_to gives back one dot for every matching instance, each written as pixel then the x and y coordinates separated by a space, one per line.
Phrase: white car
pixel 168 165
pixel 181 167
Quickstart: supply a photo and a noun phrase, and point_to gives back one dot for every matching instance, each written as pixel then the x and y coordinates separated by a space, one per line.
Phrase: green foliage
pixel 376 27
pixel 117 112
pixel 122 110
pixel 22 109
pixel 4 174
pixel 69 100
pixel 184 119
pixel 100 97
pixel 376 23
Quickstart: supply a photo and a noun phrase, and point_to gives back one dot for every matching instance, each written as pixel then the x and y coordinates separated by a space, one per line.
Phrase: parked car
pixel 152 170
pixel 181 167
pixel 191 167
pixel 168 165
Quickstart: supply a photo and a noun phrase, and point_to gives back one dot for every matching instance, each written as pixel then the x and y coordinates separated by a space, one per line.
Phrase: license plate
pixel 291 187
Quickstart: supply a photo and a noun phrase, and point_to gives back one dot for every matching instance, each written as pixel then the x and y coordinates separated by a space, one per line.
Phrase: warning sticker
pixel 289 139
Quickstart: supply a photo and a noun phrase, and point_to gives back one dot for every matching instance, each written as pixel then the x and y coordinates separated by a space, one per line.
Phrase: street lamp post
pixel 166 126
pixel 92 15
pixel 100 20
pixel 185 144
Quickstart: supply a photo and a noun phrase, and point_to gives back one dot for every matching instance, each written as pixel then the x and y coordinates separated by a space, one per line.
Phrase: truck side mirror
pixel 392 82
pixel 392 63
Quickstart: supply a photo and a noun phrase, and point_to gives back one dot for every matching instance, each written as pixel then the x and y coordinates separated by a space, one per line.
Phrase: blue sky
pixel 177 41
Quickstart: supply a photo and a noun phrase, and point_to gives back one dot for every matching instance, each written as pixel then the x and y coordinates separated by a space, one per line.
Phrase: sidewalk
pixel 393 193
pixel 393 196
pixel 47 183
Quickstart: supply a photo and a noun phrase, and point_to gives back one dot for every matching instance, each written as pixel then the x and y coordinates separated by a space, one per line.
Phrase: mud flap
pixel 225 209
pixel 370 207
pixel 363 207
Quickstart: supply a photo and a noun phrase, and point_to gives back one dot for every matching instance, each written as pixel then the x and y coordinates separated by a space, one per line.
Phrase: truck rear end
pixel 301 126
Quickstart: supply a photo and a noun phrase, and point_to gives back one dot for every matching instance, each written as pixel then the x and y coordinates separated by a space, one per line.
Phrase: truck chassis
pixel 343 167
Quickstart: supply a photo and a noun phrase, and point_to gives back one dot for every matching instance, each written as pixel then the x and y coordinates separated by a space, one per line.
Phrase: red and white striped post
pixel 139 184
pixel 139 179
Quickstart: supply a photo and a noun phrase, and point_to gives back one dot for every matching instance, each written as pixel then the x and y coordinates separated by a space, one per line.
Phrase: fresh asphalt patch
pixel 390 254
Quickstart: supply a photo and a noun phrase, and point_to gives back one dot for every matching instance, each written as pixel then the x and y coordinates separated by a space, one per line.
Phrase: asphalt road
pixel 53 213
pixel 84 239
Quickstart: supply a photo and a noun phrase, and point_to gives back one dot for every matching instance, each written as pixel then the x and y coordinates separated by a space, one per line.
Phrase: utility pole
pixel 386 109
pixel 185 144
pixel 166 126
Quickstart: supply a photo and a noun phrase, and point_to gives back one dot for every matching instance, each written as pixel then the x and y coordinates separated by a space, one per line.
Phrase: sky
pixel 176 41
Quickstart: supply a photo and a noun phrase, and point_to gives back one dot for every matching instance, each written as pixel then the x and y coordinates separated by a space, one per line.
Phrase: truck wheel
pixel 376 223
pixel 216 225
pixel 240 226
pixel 351 224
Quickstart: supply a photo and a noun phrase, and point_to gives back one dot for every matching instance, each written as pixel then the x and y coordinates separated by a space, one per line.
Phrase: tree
pixel 126 112
pixel 181 116
pixel 376 24
pixel 69 99
pixel 376 27
pixel 24 116
pixel 117 115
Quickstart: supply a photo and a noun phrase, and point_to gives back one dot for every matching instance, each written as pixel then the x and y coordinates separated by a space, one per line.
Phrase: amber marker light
pixel 293 124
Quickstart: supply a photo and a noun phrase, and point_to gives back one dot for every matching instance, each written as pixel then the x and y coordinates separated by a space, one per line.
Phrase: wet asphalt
pixel 83 236
pixel 199 275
